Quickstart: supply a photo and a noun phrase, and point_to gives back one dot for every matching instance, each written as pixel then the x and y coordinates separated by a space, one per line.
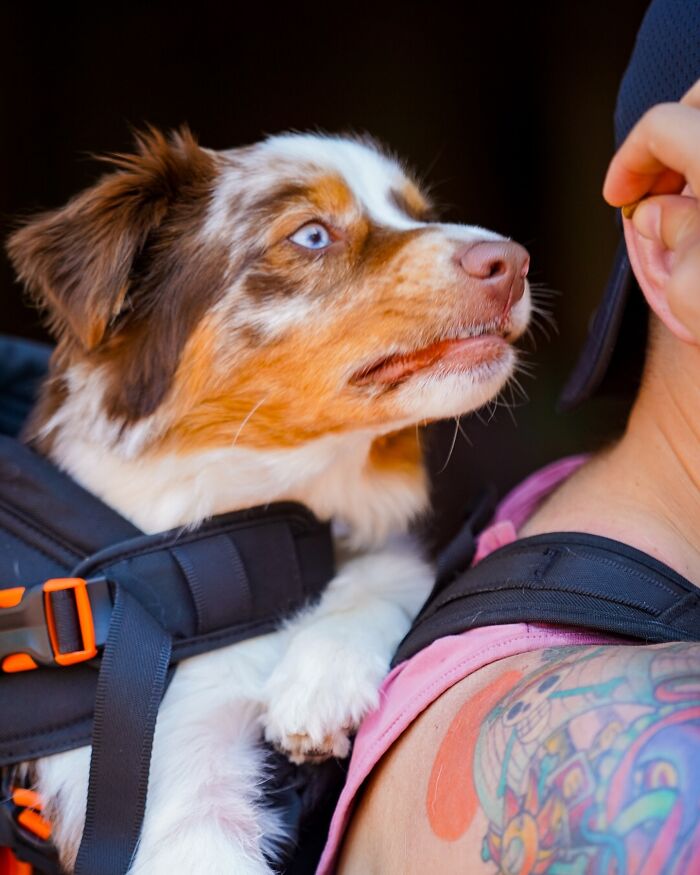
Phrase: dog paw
pixel 317 697
pixel 303 748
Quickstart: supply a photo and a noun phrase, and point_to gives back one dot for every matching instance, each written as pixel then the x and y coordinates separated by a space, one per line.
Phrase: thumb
pixel 673 220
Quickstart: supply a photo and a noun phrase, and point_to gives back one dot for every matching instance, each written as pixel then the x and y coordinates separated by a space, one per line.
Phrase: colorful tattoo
pixel 452 800
pixel 591 765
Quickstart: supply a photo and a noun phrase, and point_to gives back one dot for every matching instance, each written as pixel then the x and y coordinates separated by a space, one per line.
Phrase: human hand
pixel 659 162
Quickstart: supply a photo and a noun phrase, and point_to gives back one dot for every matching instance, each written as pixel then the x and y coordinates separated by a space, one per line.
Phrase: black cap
pixel 665 63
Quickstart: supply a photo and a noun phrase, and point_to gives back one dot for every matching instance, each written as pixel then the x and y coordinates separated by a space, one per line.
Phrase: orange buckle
pixel 85 619
pixel 30 817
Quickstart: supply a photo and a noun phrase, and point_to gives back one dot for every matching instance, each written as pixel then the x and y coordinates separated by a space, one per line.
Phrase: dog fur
pixel 207 361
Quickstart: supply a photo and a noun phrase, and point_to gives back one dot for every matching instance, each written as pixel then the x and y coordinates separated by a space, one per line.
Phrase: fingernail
pixel 647 220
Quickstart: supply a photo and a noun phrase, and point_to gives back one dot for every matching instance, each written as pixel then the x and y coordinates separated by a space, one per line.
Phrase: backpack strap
pixel 132 679
pixel 130 686
pixel 147 602
pixel 567 578
pixel 235 577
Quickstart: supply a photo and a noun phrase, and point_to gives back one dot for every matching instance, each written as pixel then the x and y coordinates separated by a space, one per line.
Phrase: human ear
pixel 656 265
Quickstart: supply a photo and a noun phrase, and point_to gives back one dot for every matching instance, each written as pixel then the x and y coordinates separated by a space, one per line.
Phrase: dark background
pixel 505 110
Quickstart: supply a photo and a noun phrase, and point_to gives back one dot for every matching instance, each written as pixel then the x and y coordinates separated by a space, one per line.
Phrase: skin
pixel 658 162
pixel 605 776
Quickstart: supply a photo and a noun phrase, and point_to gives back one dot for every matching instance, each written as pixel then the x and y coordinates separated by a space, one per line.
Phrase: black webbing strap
pixel 67 624
pixel 130 687
pixel 226 598
pixel 567 578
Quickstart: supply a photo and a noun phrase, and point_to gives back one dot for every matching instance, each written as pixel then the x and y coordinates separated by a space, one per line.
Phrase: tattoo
pixel 590 765
pixel 452 799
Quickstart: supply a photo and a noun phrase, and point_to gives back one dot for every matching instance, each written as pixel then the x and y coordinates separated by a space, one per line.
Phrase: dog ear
pixel 78 261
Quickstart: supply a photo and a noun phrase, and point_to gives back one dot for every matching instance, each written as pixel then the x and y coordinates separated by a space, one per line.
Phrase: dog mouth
pixel 450 355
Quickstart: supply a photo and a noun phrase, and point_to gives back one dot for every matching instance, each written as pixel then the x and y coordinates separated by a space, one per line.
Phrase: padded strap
pixel 130 687
pixel 235 577
pixel 566 578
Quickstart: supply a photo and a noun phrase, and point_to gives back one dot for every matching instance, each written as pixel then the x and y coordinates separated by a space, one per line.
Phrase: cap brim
pixel 594 361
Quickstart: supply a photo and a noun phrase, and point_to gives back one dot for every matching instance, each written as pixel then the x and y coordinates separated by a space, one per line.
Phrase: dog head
pixel 269 295
pixel 266 296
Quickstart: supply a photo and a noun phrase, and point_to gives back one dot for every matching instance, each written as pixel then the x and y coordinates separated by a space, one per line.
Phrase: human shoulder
pixel 553 756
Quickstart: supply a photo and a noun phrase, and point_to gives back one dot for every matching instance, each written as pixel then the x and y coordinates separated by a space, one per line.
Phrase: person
pixel 528 748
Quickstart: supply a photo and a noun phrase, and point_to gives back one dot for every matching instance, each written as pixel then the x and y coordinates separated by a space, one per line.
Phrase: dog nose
pixel 500 266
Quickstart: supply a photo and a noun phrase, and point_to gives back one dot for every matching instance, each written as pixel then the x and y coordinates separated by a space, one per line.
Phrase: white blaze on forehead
pixel 217 223
pixel 369 174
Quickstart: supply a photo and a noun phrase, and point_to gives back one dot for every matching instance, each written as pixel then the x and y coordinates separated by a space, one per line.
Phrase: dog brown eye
pixel 312 236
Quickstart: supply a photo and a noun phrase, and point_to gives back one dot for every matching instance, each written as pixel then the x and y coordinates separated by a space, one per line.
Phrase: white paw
pixel 318 695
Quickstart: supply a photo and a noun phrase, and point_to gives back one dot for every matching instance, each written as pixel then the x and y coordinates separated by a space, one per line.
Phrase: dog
pixel 240 327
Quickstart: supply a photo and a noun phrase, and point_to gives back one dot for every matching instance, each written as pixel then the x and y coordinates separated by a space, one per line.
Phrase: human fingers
pixel 660 154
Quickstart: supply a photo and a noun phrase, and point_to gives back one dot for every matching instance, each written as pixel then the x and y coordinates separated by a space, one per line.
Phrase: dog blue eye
pixel 312 236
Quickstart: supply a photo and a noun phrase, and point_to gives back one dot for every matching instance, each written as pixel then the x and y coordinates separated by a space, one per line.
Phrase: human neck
pixel 645 491
pixel 658 459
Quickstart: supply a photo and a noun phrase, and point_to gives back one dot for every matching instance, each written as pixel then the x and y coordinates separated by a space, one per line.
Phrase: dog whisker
pixel 452 446
pixel 248 417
